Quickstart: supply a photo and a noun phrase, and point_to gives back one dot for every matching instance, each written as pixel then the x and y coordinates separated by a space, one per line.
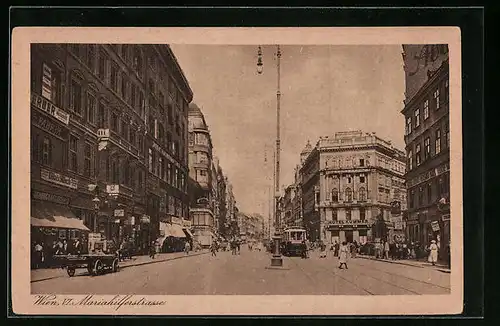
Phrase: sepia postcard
pixel 236 171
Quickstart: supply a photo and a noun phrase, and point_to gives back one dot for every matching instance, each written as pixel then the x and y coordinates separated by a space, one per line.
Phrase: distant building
pixel 427 138
pixel 348 186
pixel 201 170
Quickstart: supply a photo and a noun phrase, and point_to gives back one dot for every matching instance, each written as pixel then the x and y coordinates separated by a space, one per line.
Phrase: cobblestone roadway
pixel 247 274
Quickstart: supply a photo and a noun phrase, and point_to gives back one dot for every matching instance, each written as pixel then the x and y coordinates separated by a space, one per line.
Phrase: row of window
pixel 43 148
pixel 437 101
pixel 168 172
pixel 415 158
pixel 198 139
pixel 348 214
pixel 430 192
pixel 122 172
pixel 133 56
pixel 165 138
pixel 349 195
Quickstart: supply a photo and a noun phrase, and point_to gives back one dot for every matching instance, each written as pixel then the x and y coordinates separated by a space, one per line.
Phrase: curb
pixel 406 264
pixel 131 265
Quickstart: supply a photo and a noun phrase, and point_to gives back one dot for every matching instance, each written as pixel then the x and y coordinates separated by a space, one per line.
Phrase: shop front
pixel 347 230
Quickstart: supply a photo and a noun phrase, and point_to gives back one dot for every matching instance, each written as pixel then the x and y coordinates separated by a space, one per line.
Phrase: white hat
pixel 433 241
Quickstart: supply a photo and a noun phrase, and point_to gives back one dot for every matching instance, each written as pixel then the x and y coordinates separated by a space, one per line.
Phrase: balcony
pixel 107 136
pixel 116 189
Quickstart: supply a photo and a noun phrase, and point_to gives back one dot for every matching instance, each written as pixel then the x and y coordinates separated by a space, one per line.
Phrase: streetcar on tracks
pixel 293 242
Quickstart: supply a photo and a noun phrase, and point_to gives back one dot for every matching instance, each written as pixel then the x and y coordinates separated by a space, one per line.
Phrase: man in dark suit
pixel 77 247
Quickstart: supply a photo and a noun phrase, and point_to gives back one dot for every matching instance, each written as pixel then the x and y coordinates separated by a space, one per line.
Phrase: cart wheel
pixel 71 271
pixel 98 267
pixel 115 266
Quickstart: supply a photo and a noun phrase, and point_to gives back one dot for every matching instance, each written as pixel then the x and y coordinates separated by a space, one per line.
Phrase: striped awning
pixel 177 231
pixel 50 215
pixel 186 230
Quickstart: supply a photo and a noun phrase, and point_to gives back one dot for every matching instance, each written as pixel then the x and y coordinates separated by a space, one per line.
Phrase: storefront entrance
pixel 349 236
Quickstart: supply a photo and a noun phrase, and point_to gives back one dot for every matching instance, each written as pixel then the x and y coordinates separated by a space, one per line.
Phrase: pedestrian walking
pixel 38 254
pixel 152 250
pixel 336 248
pixel 433 253
pixel 187 247
pixel 386 250
pixel 343 255
pixel 213 249
pixel 322 250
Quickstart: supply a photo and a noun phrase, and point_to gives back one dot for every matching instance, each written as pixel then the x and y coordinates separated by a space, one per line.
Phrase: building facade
pixel 349 184
pixel 201 171
pixel 427 139
pixel 117 114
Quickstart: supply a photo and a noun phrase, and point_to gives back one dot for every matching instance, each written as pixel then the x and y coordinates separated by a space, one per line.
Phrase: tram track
pixel 330 271
pixel 314 280
pixel 406 277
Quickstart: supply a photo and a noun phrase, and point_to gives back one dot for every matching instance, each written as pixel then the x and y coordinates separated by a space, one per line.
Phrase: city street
pixel 246 274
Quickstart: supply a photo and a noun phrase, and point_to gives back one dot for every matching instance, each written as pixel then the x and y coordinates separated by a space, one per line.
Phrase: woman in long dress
pixel 322 250
pixel 343 255
pixel 433 253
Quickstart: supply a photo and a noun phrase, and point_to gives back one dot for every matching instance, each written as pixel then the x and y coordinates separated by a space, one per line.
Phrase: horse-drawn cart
pixel 95 264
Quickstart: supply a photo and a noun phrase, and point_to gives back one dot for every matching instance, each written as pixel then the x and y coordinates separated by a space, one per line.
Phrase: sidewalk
pixel 414 263
pixel 43 274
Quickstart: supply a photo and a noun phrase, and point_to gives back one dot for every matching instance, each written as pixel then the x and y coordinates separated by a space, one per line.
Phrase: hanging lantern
pixel 260 65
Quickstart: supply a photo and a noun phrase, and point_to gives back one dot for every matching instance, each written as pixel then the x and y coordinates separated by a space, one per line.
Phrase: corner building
pixel 349 184
pixel 427 138
pixel 112 116
pixel 201 171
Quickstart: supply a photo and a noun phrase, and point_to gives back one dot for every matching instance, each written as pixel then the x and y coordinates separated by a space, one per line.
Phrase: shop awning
pixel 49 215
pixel 177 231
pixel 188 232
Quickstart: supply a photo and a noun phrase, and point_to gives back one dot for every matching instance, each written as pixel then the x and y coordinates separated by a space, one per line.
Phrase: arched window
pixel 362 194
pixel 348 194
pixel 335 195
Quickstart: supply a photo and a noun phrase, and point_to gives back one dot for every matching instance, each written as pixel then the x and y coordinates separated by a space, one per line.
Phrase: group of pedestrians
pixel 408 250
pixel 43 255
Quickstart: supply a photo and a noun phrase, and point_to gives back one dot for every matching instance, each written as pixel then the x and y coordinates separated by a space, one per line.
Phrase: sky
pixel 324 89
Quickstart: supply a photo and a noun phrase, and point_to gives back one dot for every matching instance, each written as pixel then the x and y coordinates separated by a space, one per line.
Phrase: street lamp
pixel 96 202
pixel 276 259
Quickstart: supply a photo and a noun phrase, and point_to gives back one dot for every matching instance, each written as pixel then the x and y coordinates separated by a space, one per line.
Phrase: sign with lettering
pixel 435 226
pixel 119 212
pixel 351 223
pixel 59 179
pixel 49 108
pixel 50 197
pixel 45 124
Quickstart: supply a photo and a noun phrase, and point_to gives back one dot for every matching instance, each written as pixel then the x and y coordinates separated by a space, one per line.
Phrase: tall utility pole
pixel 276 260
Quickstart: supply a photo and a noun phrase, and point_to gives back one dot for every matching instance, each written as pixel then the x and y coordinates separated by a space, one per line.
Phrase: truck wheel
pixel 71 271
pixel 115 266
pixel 98 267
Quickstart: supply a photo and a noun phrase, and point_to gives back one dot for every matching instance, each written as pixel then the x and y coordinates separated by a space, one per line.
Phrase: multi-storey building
pixel 427 138
pixel 347 185
pixel 200 170
pixel 116 115
pixel 221 201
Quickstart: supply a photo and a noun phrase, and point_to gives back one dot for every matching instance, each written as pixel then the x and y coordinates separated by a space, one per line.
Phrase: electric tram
pixel 293 242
